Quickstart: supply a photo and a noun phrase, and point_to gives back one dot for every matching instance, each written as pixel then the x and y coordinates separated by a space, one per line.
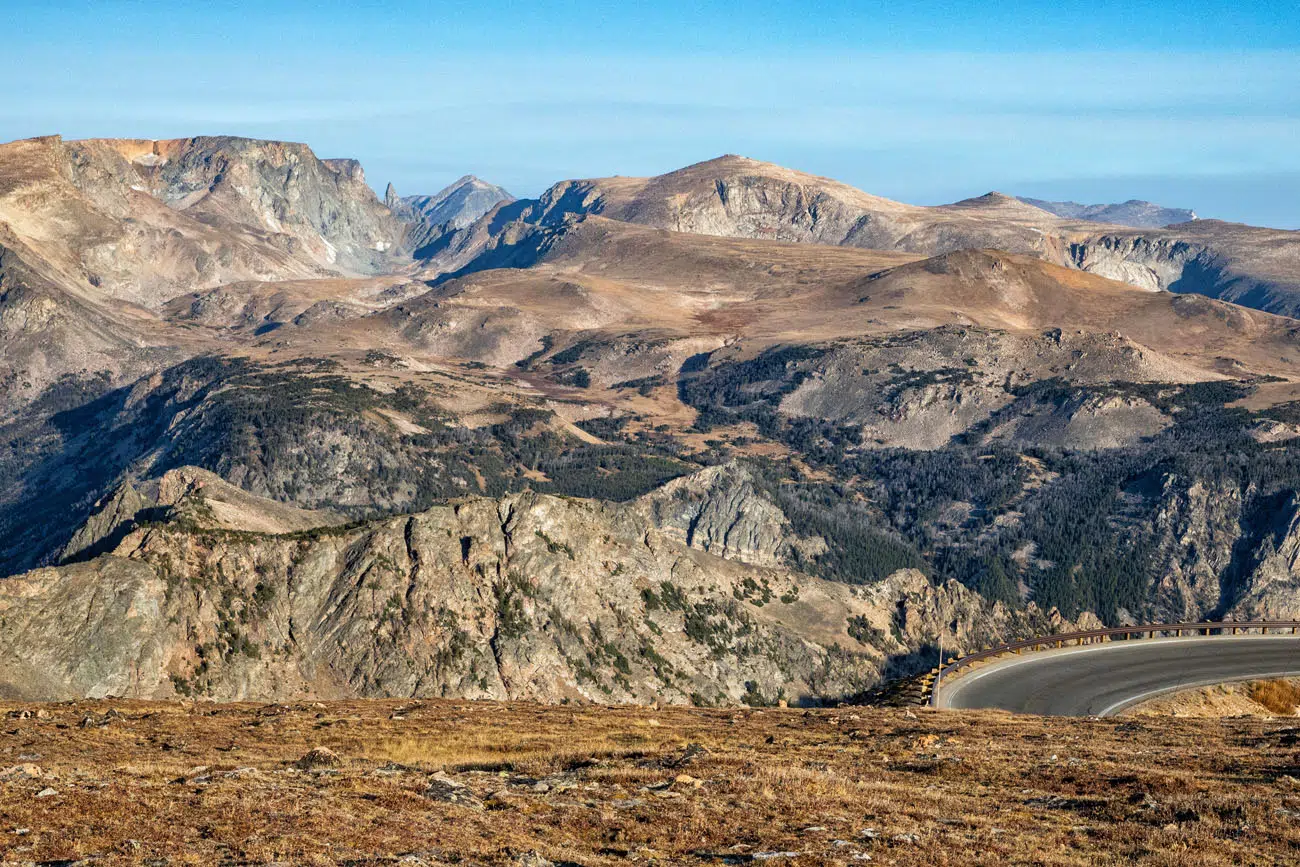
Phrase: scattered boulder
pixel 318 757
pixel 687 756
pixel 24 771
pixel 532 859
pixel 449 791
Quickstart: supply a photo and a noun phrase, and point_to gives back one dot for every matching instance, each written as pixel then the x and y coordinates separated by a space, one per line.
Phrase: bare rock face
pixel 720 510
pixel 1270 587
pixel 1152 262
pixel 1254 267
pixel 529 596
pixel 114 516
pixel 1198 524
pixel 322 208
pixel 145 221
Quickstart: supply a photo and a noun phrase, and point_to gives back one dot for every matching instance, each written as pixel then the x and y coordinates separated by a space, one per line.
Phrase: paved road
pixel 1104 679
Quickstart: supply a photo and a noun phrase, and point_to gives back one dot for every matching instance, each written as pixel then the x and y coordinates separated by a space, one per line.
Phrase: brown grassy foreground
pixel 484 783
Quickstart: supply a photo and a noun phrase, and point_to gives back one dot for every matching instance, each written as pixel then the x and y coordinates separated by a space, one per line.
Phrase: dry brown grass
pixel 1279 696
pixel 204 783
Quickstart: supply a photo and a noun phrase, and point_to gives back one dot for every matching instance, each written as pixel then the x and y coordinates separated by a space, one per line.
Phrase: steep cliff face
pixel 1152 262
pixel 721 510
pixel 1246 265
pixel 145 221
pixel 318 209
pixel 1197 525
pixel 1268 579
pixel 528 596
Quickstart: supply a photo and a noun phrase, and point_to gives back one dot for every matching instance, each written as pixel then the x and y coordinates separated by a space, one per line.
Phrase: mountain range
pixel 733 433
pixel 1134 212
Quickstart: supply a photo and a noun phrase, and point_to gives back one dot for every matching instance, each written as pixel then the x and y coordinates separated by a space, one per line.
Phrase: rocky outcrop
pixel 528 596
pixel 1269 583
pixel 722 511
pixel 113 518
pixel 194 498
pixel 1197 524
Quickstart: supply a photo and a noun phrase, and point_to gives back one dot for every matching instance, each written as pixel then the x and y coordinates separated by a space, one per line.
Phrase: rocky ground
pixel 444 782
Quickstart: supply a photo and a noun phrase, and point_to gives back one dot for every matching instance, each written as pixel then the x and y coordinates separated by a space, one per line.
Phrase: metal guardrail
pixel 933 680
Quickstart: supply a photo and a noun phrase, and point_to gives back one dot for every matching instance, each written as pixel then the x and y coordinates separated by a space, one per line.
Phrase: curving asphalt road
pixel 1105 679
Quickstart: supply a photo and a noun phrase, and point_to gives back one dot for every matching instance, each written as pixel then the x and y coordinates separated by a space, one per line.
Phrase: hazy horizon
pixel 1192 106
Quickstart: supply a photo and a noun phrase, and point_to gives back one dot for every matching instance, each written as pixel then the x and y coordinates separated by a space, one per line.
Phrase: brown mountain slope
pixel 83 209
pixel 995 418
pixel 738 197
pixel 47 332
pixel 734 196
pixel 1017 293
pixel 915 351
pixel 595 273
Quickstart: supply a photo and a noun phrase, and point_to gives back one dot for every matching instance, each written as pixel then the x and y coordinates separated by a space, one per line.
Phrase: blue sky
pixel 1192 104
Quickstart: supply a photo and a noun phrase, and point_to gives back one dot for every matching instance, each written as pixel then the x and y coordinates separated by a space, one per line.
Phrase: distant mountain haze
pixel 458 205
pixel 454 207
pixel 1143 215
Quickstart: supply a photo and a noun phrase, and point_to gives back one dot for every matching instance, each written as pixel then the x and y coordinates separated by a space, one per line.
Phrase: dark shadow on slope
pixel 66 459
pixel 1264 522
pixel 522 252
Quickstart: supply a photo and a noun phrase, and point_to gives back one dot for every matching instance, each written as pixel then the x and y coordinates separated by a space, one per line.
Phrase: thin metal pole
pixel 938 675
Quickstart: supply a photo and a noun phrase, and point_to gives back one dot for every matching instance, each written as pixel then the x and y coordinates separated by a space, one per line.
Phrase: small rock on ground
pixel 319 757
